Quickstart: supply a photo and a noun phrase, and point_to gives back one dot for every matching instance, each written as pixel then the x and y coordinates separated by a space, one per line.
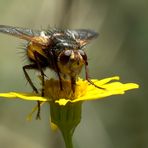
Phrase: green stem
pixel 67 138
pixel 66 118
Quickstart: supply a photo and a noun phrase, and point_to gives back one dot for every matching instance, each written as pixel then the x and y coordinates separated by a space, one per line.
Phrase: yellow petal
pixel 104 81
pixel 53 126
pixel 63 101
pixel 23 96
pixel 29 117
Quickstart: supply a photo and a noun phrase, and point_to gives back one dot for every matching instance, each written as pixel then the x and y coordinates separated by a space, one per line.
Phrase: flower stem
pixel 66 118
pixel 67 135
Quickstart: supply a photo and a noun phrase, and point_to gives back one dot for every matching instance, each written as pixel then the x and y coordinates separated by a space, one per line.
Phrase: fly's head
pixel 71 61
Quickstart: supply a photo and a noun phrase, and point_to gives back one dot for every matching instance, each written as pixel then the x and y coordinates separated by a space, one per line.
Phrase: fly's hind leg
pixel 25 68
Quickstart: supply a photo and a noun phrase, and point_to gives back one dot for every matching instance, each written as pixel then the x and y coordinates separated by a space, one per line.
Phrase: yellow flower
pixel 65 105
pixel 84 91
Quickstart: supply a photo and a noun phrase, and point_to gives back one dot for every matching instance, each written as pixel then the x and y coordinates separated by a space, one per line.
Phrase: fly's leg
pixel 42 73
pixel 60 80
pixel 73 83
pixel 87 78
pixel 31 66
pixel 52 53
pixel 25 68
pixel 43 83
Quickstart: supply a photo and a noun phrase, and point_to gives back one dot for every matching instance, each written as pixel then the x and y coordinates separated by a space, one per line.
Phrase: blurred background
pixel 121 49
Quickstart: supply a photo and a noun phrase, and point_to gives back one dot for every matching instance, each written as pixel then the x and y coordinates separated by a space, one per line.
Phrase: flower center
pixel 53 90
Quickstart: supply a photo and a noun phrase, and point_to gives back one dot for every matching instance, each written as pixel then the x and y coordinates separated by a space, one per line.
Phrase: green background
pixel 121 49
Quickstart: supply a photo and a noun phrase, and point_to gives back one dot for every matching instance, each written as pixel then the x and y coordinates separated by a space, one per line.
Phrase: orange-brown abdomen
pixel 32 48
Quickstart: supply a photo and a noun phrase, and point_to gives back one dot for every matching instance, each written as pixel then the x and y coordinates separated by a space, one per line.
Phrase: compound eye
pixel 65 56
pixel 83 54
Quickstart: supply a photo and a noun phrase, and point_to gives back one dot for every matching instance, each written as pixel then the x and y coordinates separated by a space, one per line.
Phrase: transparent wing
pixel 84 36
pixel 26 34
pixel 22 33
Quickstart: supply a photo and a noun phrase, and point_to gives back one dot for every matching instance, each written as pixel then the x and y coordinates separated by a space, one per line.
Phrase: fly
pixel 57 49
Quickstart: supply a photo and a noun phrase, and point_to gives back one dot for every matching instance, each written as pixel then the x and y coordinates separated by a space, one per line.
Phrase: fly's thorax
pixel 70 61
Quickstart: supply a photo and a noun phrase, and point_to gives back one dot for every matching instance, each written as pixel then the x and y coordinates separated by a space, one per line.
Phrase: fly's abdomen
pixel 36 53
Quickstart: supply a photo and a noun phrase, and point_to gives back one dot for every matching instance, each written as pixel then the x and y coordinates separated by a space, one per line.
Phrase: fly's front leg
pixel 87 77
pixel 54 62
pixel 73 83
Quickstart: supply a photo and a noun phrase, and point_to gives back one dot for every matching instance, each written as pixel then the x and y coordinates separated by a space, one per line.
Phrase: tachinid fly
pixel 57 49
